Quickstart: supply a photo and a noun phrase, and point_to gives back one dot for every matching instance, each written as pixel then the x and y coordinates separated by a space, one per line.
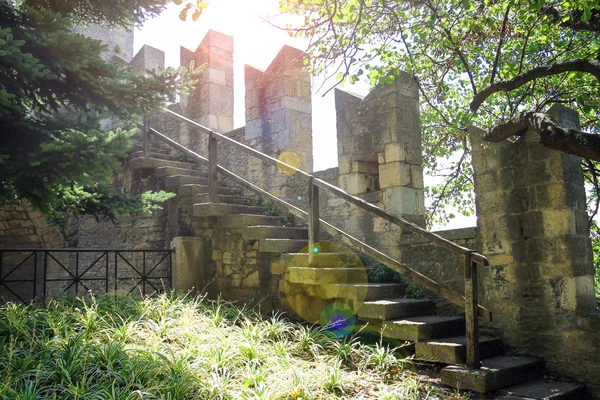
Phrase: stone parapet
pixel 533 227
pixel 211 103
pixel 148 59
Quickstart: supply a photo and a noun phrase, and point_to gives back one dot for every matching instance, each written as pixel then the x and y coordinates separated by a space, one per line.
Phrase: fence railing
pixel 470 301
pixel 27 274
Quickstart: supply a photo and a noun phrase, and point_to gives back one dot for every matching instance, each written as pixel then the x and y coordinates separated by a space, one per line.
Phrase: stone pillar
pixel 279 108
pixel 148 59
pixel 533 227
pixel 279 121
pixel 379 146
pixel 211 104
pixel 188 268
pixel 253 95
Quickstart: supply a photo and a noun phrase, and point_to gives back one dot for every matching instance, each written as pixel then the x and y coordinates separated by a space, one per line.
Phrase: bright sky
pixel 253 25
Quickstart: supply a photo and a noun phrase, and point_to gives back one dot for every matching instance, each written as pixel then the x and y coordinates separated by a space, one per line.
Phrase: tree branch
pixel 551 134
pixel 579 65
pixel 574 21
pixel 499 50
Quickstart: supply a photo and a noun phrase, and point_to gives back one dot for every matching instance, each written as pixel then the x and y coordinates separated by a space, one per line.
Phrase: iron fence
pixel 27 274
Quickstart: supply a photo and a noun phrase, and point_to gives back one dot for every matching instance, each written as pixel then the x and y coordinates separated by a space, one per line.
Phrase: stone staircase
pixel 340 276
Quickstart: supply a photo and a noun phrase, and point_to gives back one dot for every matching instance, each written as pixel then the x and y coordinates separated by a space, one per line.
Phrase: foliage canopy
pixel 476 62
pixel 55 89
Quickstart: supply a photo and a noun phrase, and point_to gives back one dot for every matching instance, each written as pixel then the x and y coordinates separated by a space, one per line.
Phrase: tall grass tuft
pixel 173 347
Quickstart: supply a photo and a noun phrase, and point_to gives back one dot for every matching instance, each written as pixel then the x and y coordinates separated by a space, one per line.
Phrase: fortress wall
pixel 534 228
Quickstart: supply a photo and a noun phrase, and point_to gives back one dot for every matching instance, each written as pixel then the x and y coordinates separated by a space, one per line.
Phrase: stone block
pixel 394 174
pixel 252 280
pixel 344 165
pixel 395 152
pixel 404 201
pixel 296 104
pixel 381 225
pixel 559 222
pixel 416 174
pixel 364 167
pixel 213 75
pixel 224 123
pixel 353 183
pixel 253 129
pixel 189 264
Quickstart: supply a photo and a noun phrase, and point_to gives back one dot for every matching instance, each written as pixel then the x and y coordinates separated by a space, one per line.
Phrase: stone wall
pixel 23 227
pixel 533 227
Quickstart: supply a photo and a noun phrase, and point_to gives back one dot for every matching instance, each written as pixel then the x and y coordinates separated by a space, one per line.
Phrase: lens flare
pixel 330 290
pixel 339 319
pixel 290 158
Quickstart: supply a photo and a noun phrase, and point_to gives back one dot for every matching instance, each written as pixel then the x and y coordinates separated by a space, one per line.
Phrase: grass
pixel 174 347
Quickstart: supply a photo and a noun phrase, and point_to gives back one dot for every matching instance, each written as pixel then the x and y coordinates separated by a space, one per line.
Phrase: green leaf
pixel 183 14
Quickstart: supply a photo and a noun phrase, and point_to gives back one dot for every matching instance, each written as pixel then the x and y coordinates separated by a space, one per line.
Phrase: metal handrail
pixel 472 258
pixel 443 242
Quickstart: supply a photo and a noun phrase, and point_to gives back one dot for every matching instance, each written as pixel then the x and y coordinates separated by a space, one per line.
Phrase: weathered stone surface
pixel 353 183
pixel 362 292
pixel 395 308
pixel 282 245
pixel 495 373
pixel 394 174
pixel 188 268
pixel 325 276
pixel 423 328
pixel 148 59
pixel 454 350
pixel 529 205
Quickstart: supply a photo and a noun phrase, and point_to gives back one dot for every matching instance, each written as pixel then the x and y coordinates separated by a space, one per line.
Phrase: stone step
pixel 171 171
pixel 495 373
pixel 220 209
pixel 245 220
pixel 396 308
pixel 282 245
pixel 155 154
pixel 276 232
pixel 174 181
pixel 323 260
pixel 547 390
pixel 424 328
pixel 326 276
pixel 363 291
pixel 453 350
pixel 194 188
pixel 229 199
pixel 147 162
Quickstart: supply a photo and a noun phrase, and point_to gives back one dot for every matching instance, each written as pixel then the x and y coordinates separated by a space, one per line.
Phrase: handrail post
pixel 313 220
pixel 213 195
pixel 146 137
pixel 471 312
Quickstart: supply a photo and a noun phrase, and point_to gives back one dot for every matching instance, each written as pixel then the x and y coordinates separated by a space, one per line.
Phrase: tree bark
pixel 551 134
